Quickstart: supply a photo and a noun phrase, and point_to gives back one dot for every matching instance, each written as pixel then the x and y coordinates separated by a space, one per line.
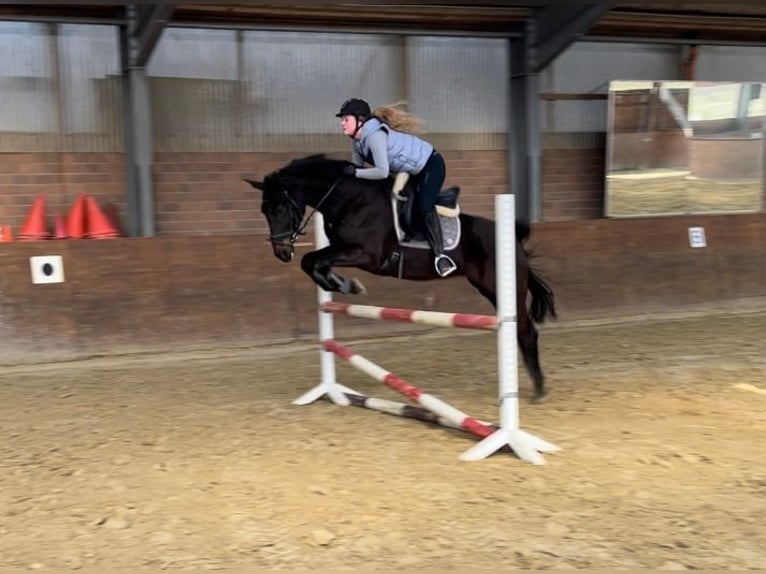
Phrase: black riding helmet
pixel 359 109
pixel 355 107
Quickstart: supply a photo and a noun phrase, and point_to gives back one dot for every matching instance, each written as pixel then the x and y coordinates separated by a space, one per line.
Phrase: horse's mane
pixel 314 167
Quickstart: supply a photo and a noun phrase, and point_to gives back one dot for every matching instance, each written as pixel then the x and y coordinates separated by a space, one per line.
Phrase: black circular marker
pixel 47 269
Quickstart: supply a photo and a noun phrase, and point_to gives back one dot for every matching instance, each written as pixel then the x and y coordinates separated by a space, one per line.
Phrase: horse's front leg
pixel 318 265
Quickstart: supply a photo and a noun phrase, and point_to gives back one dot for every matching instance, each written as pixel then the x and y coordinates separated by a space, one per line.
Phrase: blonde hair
pixel 396 116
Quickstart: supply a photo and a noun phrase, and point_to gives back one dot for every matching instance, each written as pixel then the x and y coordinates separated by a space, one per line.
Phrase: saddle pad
pixel 450 230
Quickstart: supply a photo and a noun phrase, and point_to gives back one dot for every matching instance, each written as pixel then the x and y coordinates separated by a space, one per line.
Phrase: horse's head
pixel 283 213
pixel 287 192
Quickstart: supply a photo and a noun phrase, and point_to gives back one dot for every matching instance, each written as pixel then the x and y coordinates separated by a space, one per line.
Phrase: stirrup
pixel 452 267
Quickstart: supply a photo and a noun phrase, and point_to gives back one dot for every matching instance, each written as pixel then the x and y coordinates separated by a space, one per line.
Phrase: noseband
pixel 288 238
pixel 296 215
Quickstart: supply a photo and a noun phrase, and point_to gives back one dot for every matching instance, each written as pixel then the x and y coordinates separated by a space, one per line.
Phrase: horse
pixel 359 223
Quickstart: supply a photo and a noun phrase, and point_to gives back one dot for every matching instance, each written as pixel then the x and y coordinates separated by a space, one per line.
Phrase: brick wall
pixel 573 184
pixel 61 177
pixel 203 193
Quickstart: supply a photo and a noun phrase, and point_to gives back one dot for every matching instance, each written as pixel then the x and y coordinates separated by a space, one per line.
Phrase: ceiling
pixel 737 21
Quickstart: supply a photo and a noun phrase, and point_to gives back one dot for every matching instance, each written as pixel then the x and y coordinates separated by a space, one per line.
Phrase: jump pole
pixel 403 410
pixel 456 417
pixel 525 445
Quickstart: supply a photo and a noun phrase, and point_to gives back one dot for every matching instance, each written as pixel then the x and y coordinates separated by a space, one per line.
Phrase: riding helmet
pixel 355 107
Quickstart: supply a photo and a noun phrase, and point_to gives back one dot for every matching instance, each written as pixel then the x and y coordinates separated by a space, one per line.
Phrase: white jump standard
pixel 526 446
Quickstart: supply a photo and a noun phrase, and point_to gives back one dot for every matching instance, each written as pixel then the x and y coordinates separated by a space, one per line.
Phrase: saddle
pixel 402 205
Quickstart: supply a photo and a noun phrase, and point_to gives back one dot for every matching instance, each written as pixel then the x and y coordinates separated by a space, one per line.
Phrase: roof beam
pixel 150 22
pixel 736 22
pixel 557 27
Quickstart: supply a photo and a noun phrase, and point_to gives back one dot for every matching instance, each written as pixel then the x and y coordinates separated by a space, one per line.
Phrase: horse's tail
pixel 522 230
pixel 543 303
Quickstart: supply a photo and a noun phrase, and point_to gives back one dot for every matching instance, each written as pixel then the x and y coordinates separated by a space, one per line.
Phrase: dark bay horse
pixel 359 225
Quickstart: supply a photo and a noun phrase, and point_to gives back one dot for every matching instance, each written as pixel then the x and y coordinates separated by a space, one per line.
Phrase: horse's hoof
pixel 539 398
pixel 357 288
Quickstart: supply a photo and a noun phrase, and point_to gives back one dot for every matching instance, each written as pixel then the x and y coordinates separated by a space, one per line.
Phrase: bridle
pixel 299 225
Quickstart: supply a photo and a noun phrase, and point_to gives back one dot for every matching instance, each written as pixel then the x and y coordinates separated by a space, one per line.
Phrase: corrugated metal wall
pixel 460 87
pixel 727 63
pixel 280 90
pixel 56 90
pixel 229 90
pixel 264 91
pixel 587 68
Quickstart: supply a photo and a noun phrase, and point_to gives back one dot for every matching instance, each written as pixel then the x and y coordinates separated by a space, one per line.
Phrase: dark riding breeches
pixel 430 181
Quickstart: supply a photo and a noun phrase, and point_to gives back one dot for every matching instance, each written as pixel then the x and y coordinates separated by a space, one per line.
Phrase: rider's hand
pixel 349 169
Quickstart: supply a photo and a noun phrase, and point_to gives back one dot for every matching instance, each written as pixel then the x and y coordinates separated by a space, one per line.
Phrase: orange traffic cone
pixel 99 226
pixel 60 228
pixel 34 226
pixel 75 223
pixel 6 234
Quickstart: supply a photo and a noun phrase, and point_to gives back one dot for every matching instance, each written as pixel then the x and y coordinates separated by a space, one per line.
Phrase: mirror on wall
pixel 676 147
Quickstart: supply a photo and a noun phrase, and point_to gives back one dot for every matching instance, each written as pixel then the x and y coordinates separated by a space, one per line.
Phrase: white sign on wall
pixel 46 269
pixel 697 237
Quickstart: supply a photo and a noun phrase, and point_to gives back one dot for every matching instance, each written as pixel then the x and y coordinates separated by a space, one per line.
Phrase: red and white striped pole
pixel 456 417
pixel 402 410
pixel 433 318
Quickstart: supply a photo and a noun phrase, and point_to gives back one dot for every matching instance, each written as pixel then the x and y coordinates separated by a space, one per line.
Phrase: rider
pixel 385 139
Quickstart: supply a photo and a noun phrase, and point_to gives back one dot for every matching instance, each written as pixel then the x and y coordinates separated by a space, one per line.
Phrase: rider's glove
pixel 349 169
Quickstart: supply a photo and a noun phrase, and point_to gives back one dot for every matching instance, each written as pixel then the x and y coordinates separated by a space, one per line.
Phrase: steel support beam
pixel 133 224
pixel 524 132
pixel 546 34
pixel 138 38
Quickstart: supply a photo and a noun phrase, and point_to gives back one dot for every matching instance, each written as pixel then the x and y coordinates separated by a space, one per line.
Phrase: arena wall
pixel 176 293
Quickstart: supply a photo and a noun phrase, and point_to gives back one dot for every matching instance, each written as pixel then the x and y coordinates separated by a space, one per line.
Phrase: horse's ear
pixel 255 184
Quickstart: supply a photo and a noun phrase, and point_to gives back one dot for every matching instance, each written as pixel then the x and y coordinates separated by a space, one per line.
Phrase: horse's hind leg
pixel 526 335
pixel 527 338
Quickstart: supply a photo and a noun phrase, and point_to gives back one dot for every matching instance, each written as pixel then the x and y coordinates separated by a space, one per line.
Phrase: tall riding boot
pixel 443 263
